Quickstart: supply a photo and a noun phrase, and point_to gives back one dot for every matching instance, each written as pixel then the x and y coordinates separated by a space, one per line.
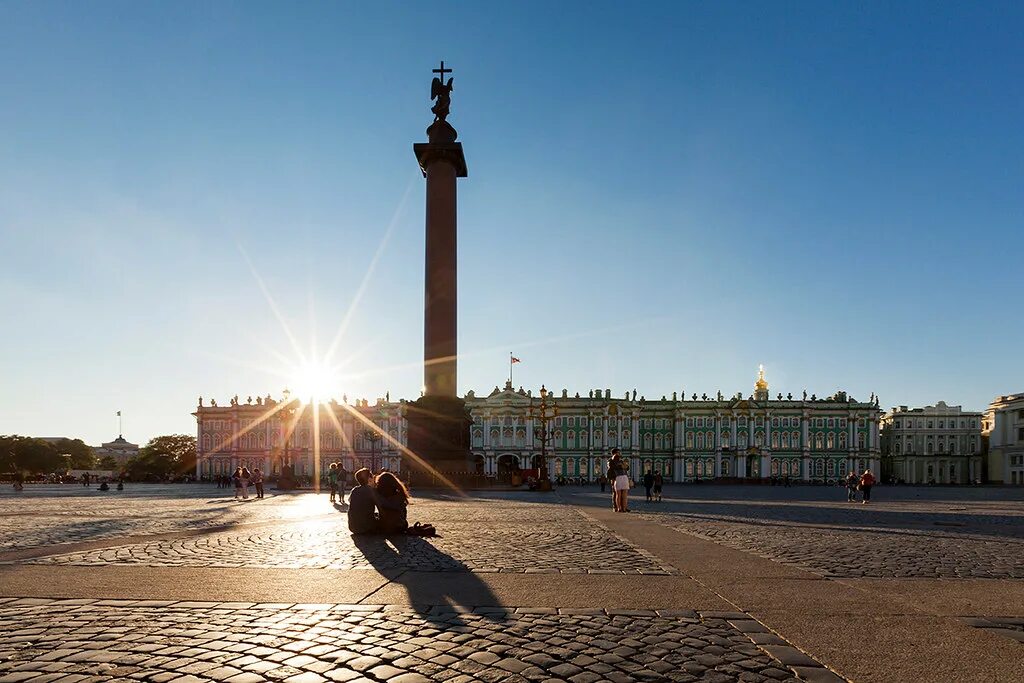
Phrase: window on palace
pixel 741 440
pixel 775 440
pixel 930 423
pixel 775 467
pixel 689 439
pixel 819 441
pixel 972 424
pixel 831 468
pixel 758 438
pixel 658 442
pixel 830 440
pixel 724 439
pixel 700 441
pixel 689 422
pixel 831 422
pixel 942 424
pixel 785 439
pixel 725 468
pixel 842 440
pixel 928 448
pixel 796 439
pixel 742 422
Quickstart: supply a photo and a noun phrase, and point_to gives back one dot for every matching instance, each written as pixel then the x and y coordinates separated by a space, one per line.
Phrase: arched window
pixel 625 439
pixel 506 438
pixel 758 439
pixel 478 437
pixel 206 442
pixel 796 439
pixel 819 467
pixel 952 445
pixel 725 467
pixel 570 439
pixel 700 441
pixel 830 440
pixel 741 440
pixel 896 448
pixel 647 441
pixel 689 439
pixel 775 439
pixel 668 441
pixel 842 440
pixel 583 439
pixel 819 441
pixel 658 442
pixel 725 440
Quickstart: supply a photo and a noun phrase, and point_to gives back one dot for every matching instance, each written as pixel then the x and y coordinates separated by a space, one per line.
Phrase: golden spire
pixel 761 384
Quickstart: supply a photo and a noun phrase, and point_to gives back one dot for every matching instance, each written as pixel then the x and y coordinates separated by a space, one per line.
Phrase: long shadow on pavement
pixel 427 575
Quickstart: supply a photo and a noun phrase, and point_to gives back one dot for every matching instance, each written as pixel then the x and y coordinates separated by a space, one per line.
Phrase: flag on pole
pixel 516 360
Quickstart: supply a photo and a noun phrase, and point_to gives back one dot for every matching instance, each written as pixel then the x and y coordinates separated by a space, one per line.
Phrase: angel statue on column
pixel 443 94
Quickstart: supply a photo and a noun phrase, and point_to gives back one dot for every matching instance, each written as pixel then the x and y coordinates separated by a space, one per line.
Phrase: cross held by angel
pixel 441 92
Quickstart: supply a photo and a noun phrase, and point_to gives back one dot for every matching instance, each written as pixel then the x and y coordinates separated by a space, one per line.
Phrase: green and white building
pixel 684 439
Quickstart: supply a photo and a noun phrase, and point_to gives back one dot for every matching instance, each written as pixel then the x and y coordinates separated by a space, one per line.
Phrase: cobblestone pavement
pixel 852 553
pixel 49 515
pixel 523 537
pixel 81 640
pixel 890 539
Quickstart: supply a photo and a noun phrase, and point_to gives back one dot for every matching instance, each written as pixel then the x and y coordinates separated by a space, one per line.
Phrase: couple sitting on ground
pixel 378 506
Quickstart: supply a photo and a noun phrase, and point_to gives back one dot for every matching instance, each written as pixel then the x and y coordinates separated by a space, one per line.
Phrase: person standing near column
pixel 867 480
pixel 620 482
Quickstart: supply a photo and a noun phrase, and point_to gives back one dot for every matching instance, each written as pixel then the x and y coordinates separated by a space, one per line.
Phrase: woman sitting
pixel 393 505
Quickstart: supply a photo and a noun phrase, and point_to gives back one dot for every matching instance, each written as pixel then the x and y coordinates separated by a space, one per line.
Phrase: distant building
pixel 938 444
pixel 693 438
pixel 120 449
pixel 1004 424
pixel 252 434
pixel 684 439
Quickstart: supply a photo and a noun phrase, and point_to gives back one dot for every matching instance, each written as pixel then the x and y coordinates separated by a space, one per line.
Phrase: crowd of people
pixel 241 480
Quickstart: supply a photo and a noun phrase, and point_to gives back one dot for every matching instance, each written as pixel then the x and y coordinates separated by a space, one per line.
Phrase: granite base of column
pixel 439 435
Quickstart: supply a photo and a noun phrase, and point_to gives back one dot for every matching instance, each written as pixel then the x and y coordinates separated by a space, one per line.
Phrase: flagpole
pixel 510 368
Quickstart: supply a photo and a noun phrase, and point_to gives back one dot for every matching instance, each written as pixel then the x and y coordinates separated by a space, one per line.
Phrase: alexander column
pixel 439 422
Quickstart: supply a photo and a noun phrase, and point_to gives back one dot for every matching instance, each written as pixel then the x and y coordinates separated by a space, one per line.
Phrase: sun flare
pixel 313 382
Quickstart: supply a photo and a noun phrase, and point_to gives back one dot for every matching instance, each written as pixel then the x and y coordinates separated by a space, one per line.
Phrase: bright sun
pixel 312 381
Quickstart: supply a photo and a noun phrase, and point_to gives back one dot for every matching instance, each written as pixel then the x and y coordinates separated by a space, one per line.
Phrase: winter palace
pixel 684 438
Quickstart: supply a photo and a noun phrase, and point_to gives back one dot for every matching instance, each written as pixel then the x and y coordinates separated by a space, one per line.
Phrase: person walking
pixel 867 480
pixel 236 480
pixel 649 485
pixel 620 482
pixel 257 481
pixel 342 480
pixel 658 482
pixel 246 477
pixel 332 480
pixel 852 481
pixel 603 480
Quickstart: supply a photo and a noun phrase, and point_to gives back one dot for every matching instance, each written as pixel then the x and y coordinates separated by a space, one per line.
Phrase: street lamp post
pixel 374 438
pixel 286 414
pixel 544 411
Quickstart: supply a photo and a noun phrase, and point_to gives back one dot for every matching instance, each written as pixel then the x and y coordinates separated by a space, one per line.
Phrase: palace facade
pixel 757 437
pixel 1004 426
pixel 939 444
pixel 684 439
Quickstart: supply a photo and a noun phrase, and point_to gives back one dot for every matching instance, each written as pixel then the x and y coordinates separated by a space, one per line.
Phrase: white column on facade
pixel 636 433
pixel 735 429
pixel 741 466
pixel 718 463
pixel 199 444
pixel 768 431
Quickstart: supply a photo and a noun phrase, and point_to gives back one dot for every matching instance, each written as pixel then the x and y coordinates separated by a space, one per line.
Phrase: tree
pixel 165 456
pixel 25 454
pixel 82 456
pixel 108 462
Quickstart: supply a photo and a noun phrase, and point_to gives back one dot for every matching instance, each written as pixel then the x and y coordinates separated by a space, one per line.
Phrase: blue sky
pixel 660 197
